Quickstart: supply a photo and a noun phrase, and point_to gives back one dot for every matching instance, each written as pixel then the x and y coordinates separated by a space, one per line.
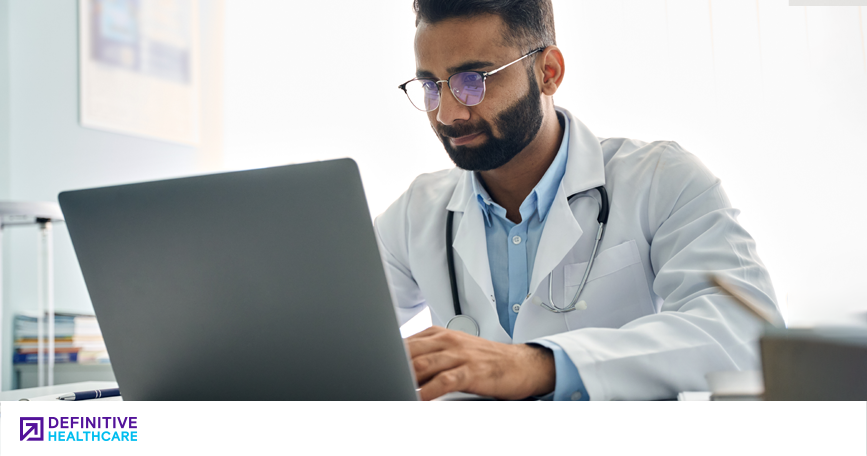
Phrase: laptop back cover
pixel 254 285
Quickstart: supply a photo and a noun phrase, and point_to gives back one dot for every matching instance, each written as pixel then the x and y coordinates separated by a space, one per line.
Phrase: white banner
pixel 453 428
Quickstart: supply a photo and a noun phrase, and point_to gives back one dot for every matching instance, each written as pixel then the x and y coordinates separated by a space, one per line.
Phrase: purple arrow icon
pixel 34 426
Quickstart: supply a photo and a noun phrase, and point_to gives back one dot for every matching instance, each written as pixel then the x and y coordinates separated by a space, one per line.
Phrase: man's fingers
pixel 457 379
pixel 427 332
pixel 433 341
pixel 419 347
pixel 428 365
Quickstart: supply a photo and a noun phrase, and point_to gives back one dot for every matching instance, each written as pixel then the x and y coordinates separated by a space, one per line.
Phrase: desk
pixel 25 375
pixel 15 395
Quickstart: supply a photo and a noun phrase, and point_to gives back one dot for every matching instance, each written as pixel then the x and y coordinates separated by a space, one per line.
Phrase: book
pixel 32 358
pixel 77 339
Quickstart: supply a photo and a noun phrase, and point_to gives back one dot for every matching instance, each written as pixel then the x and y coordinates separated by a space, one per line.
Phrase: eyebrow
pixel 466 66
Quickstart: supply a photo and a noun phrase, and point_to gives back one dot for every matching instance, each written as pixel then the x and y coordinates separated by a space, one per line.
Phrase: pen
pixel 95 394
pixel 729 287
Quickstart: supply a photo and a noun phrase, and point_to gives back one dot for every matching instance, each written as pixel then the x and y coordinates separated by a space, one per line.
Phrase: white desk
pixel 15 395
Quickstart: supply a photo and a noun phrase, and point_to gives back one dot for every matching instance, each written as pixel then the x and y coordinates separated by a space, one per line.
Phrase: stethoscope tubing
pixel 602 219
pixel 553 307
pixel 451 259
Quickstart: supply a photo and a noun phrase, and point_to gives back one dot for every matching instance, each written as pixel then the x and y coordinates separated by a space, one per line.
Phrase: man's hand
pixel 445 361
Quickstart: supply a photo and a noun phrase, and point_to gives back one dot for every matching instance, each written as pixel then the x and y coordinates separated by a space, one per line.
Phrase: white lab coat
pixel 653 324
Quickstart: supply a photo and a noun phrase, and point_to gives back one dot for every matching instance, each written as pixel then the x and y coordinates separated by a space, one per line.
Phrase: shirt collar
pixel 539 200
pixel 485 201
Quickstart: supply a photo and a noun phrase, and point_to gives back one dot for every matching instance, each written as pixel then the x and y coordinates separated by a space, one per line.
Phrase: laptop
pixel 254 285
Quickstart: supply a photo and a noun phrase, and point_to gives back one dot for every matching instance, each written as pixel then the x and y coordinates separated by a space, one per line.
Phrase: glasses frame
pixel 483 74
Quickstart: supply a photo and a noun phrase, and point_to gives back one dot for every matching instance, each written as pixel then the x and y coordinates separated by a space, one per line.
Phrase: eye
pixel 471 77
pixel 429 86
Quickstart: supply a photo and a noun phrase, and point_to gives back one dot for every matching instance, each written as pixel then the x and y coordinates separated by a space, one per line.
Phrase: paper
pixel 694 396
pixel 735 384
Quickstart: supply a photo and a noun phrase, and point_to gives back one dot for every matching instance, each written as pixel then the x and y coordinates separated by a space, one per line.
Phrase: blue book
pixel 31 358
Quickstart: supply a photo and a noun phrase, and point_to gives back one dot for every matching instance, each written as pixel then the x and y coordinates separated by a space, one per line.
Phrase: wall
pixel 48 150
pixel 4 163
pixel 305 84
pixel 5 175
pixel 4 99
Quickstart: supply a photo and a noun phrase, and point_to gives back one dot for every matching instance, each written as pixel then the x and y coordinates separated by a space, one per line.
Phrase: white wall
pixel 4 99
pixel 772 98
pixel 48 150
pixel 307 82
pixel 4 167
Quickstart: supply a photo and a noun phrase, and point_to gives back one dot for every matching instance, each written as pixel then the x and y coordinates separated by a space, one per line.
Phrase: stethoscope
pixel 468 324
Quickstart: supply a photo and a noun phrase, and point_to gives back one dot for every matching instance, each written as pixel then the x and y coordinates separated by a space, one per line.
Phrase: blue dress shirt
pixel 512 253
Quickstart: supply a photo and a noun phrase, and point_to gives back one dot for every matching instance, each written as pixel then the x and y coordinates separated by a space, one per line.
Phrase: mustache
pixel 462 129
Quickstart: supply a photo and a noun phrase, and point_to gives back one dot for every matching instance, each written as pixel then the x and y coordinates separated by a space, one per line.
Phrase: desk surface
pixel 18 394
pixel 15 395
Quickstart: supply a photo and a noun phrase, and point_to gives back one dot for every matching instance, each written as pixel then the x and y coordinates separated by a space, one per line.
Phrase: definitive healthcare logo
pixel 80 429
pixel 34 427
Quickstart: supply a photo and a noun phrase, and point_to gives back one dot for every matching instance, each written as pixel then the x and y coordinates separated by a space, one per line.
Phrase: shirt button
pixel 516 308
pixel 576 396
pixel 516 240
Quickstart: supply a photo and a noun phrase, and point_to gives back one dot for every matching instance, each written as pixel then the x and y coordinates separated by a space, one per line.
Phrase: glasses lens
pixel 469 88
pixel 423 94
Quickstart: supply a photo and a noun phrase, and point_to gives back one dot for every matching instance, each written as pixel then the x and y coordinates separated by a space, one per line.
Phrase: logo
pixel 32 428
pixel 79 429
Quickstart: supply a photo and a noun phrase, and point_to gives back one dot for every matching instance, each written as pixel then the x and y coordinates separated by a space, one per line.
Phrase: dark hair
pixel 529 23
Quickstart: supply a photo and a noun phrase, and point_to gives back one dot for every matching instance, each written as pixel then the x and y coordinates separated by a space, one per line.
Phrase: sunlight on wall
pixel 772 98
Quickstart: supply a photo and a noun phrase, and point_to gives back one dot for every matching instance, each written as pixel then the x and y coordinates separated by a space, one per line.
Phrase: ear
pixel 550 67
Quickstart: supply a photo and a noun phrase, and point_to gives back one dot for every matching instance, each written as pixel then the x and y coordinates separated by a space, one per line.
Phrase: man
pixel 526 198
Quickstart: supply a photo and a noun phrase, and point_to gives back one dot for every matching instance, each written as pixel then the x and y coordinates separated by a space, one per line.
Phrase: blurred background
pixel 772 98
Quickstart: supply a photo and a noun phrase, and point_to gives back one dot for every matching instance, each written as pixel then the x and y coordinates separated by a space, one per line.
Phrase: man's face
pixel 488 135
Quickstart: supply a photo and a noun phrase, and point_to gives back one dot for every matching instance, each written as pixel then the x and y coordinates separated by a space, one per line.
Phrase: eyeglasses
pixel 468 87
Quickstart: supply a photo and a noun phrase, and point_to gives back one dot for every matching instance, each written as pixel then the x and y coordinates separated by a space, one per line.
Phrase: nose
pixel 450 109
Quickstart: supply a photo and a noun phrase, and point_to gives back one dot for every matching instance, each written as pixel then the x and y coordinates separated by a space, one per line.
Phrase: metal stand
pixel 42 214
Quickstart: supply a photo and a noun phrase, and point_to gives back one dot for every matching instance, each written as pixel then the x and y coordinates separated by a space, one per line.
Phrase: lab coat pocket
pixel 616 291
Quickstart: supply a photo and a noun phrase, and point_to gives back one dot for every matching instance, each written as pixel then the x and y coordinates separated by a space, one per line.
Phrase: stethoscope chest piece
pixel 464 324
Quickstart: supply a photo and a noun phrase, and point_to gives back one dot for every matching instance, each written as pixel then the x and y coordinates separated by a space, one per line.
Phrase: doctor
pixel 542 315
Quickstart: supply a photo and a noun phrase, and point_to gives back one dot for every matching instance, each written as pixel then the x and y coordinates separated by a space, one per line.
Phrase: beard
pixel 519 124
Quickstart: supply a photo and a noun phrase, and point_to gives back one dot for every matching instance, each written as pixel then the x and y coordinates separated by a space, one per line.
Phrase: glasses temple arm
pixel 488 73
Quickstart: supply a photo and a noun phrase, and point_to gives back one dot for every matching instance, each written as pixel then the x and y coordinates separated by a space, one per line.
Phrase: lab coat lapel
pixel 560 234
pixel 470 243
pixel 585 169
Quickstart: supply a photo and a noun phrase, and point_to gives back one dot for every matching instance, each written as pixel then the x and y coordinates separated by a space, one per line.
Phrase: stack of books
pixel 77 339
